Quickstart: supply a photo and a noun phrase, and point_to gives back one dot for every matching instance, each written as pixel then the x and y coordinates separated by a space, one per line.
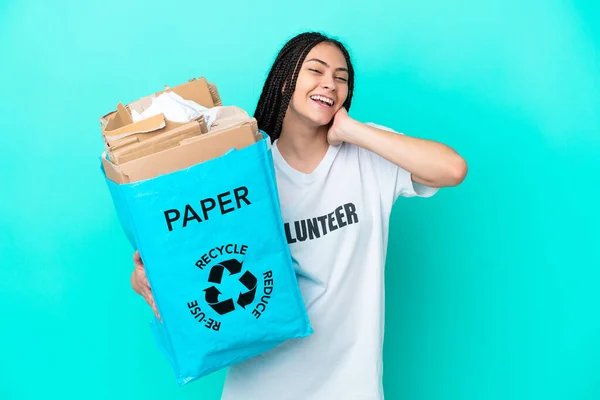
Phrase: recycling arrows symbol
pixel 216 275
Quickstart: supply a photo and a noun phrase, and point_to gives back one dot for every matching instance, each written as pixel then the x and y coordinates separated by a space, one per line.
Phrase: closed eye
pixel 342 79
pixel 315 71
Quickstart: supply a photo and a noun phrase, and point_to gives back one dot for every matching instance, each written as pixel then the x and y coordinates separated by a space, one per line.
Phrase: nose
pixel 328 83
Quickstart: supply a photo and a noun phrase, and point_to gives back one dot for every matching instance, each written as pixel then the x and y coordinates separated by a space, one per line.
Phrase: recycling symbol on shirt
pixel 215 276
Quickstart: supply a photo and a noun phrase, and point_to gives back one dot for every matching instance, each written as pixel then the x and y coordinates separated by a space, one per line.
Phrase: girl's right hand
pixel 140 284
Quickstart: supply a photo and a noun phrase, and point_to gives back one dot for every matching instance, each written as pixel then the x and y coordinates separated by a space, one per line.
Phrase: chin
pixel 322 122
pixel 318 119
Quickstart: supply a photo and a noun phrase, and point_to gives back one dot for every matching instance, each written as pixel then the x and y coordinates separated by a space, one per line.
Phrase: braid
pixel 280 84
pixel 289 91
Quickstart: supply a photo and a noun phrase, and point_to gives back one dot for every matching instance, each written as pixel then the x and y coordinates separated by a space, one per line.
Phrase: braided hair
pixel 281 82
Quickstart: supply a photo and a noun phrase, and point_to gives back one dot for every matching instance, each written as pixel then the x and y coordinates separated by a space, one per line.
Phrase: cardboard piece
pixel 119 131
pixel 188 152
pixel 126 130
pixel 153 144
pixel 232 116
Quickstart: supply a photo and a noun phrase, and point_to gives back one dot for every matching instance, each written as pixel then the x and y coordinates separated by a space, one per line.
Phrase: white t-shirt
pixel 336 221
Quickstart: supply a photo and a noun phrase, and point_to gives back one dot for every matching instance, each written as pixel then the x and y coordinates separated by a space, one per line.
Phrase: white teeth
pixel 324 99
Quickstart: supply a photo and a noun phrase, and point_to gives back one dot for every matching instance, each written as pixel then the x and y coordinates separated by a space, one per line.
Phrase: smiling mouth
pixel 326 101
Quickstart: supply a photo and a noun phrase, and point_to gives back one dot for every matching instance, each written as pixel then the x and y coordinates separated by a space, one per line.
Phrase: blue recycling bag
pixel 212 241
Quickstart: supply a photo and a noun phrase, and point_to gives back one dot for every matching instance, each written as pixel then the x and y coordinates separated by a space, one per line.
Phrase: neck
pixel 301 145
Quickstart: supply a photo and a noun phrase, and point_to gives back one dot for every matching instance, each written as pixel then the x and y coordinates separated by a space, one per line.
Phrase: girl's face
pixel 322 85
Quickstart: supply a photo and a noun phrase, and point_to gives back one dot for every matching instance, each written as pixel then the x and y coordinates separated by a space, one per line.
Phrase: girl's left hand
pixel 341 121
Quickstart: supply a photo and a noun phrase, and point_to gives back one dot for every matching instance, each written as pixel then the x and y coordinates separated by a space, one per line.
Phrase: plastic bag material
pixel 212 241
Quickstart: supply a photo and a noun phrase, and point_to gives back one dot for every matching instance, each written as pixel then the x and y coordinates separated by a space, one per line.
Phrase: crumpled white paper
pixel 174 107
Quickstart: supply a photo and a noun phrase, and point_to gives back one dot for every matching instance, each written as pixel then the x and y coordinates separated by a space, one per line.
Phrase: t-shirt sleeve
pixel 398 177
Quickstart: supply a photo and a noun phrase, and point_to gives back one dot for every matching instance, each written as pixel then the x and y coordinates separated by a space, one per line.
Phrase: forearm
pixel 429 162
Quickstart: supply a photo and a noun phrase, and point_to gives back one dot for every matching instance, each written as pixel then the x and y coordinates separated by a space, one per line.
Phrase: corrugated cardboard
pixel 120 132
pixel 169 138
pixel 187 153
pixel 121 126
pixel 233 117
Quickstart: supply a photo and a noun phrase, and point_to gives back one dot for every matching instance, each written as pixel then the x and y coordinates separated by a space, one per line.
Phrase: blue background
pixel 492 289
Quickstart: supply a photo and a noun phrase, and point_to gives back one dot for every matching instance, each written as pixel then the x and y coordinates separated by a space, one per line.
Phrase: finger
pixel 135 282
pixel 140 283
pixel 144 278
pixel 150 300
pixel 156 312
pixel 143 281
pixel 137 260
pixel 147 293
pixel 137 278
